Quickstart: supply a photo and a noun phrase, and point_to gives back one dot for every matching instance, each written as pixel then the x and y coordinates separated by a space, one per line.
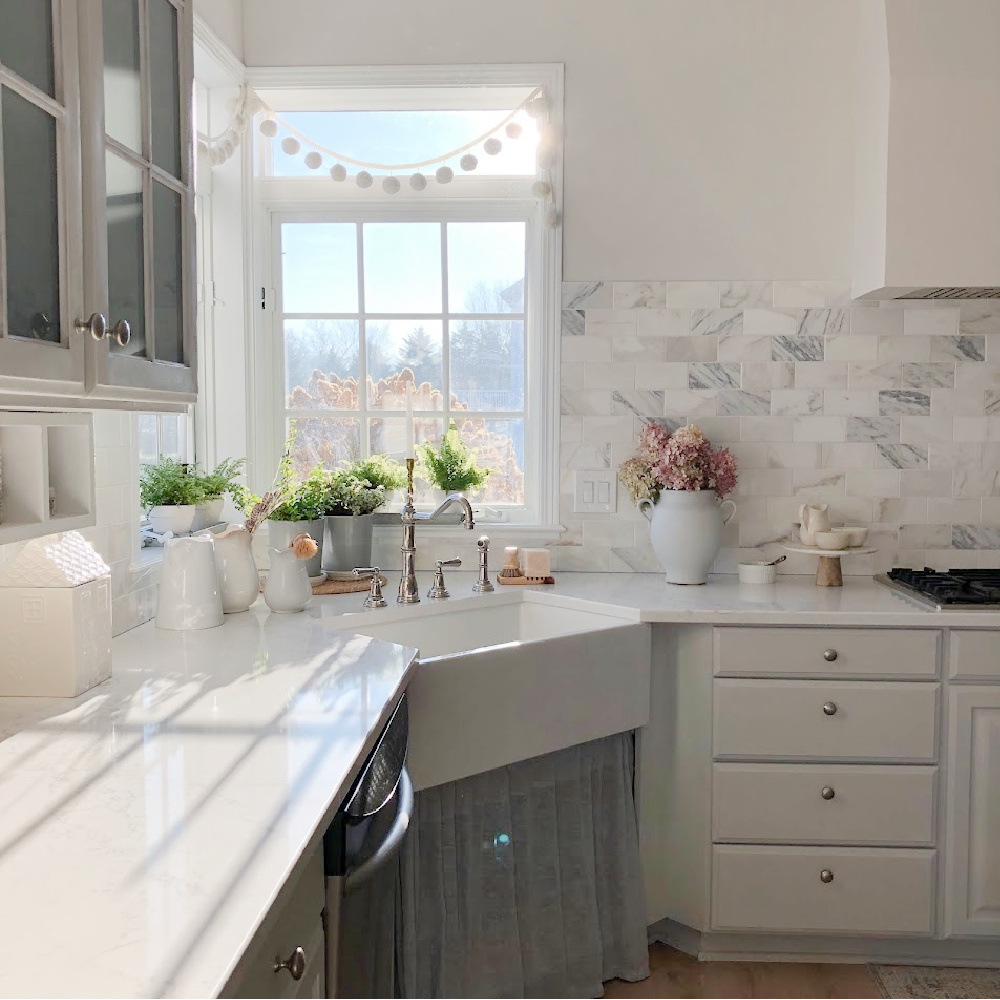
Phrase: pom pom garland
pixel 338 172
pixel 444 175
pixel 468 162
pixel 418 182
pixel 513 130
pixel 290 145
pixel 390 184
pixel 492 146
pixel 363 179
pixel 541 189
pixel 269 128
pixel 313 160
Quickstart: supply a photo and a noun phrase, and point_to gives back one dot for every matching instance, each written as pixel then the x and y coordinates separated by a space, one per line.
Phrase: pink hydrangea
pixel 653 439
pixel 685 460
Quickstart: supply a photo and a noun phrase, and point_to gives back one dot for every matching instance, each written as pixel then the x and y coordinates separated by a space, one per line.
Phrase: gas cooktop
pixel 948 590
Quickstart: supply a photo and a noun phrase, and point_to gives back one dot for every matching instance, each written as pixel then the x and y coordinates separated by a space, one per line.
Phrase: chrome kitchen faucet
pixel 408 591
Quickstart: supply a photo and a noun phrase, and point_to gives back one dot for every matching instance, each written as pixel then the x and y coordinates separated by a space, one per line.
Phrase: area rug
pixel 905 981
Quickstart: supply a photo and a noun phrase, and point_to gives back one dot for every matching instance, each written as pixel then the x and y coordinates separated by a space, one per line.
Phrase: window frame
pixel 466 199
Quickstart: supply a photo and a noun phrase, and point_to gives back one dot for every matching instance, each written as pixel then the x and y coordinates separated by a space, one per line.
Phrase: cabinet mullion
pixel 3 237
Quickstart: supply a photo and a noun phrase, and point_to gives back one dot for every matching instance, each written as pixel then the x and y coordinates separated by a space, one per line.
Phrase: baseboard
pixel 710 946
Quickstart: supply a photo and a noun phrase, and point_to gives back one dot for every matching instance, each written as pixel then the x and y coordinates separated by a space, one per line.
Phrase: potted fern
pixel 216 484
pixel 452 467
pixel 356 491
pixel 170 492
pixel 302 512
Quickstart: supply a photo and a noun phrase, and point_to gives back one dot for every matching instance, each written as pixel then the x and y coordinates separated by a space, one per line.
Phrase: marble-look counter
pixel 148 825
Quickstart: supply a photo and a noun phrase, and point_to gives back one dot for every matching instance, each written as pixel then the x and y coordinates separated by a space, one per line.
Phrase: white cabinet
pixel 97 217
pixel 973 894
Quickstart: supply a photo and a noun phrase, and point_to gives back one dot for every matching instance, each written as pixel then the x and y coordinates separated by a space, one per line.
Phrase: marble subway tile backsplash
pixel 890 412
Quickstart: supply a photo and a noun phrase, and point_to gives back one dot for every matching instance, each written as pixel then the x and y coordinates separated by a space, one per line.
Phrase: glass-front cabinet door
pixel 42 349
pixel 139 212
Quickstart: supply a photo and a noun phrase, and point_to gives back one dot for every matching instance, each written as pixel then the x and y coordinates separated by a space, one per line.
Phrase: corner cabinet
pixel 97 239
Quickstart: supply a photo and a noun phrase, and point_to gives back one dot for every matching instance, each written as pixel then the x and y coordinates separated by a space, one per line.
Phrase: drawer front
pixel 826 652
pixel 840 720
pixel 824 803
pixel 974 654
pixel 870 890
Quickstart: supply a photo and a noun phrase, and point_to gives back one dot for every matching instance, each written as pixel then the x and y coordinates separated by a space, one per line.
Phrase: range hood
pixel 927 183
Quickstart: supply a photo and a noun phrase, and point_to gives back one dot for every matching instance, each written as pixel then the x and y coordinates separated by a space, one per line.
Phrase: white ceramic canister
pixel 189 586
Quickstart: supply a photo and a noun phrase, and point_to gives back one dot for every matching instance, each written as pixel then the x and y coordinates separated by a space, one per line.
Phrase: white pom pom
pixel 240 121
pixel 291 145
pixel 269 127
pixel 541 189
pixel 202 147
pixel 390 185
pixel 363 179
pixel 417 181
pixel 513 130
pixel 444 175
pixel 468 162
pixel 538 108
pixel 492 146
pixel 231 135
pixel 338 172
pixel 215 156
pixel 550 217
pixel 226 148
pixel 254 103
pixel 313 160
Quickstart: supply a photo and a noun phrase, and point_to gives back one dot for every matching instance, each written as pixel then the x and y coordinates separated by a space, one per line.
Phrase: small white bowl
pixel 757 572
pixel 833 540
pixel 856 534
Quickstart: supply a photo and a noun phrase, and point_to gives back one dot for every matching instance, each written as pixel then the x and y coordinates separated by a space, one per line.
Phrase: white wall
pixel 225 18
pixel 704 138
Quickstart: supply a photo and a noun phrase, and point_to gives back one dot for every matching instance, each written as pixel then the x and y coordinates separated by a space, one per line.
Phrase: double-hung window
pixel 446 291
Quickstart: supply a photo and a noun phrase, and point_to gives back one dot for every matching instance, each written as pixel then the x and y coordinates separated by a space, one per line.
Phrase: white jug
pixel 813 517
pixel 287 589
pixel 189 585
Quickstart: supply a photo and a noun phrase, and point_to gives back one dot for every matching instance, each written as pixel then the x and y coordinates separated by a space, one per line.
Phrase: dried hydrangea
pixel 653 439
pixel 635 475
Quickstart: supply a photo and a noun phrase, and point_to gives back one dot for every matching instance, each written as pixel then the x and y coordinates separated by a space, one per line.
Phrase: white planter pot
pixel 177 519
pixel 208 513
pixel 685 529
pixel 281 533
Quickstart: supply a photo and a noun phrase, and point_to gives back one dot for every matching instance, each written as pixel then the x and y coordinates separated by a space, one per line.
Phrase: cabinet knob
pixel 830 708
pixel 827 793
pixel 826 875
pixel 295 964
pixel 830 655
pixel 96 326
pixel 122 332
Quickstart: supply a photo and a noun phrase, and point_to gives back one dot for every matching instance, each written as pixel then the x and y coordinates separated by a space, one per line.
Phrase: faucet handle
pixel 374 598
pixel 438 591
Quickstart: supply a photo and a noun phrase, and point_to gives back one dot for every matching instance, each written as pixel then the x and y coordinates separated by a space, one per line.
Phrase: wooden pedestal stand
pixel 828 572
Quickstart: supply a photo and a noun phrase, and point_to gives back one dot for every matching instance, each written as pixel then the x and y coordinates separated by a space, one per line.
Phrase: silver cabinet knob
pixel 830 655
pixel 122 332
pixel 295 964
pixel 827 793
pixel 826 875
pixel 96 326
pixel 830 708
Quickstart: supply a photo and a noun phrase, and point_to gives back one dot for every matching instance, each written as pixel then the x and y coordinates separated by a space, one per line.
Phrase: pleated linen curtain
pixel 525 881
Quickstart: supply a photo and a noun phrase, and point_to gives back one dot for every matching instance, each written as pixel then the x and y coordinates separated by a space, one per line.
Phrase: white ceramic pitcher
pixel 813 517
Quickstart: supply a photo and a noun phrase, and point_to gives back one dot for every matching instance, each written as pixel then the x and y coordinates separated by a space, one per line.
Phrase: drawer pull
pixel 827 793
pixel 830 655
pixel 826 875
pixel 830 708
pixel 295 964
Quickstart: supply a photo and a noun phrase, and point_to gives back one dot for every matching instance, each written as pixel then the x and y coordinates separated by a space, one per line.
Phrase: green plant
pixel 169 483
pixel 362 487
pixel 452 466
pixel 222 479
pixel 380 470
pixel 309 499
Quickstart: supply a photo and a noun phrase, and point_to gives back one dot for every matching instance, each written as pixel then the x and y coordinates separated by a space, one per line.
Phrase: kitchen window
pixel 453 282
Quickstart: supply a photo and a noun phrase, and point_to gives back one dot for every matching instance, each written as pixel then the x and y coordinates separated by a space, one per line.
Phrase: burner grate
pixel 975 587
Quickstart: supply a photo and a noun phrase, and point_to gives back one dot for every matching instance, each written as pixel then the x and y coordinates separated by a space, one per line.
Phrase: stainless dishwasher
pixel 362 885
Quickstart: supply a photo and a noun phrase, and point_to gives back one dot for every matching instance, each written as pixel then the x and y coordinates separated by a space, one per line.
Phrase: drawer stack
pixel 825 745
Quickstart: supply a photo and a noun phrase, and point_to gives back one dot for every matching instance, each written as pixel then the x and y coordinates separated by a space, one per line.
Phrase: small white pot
pixel 176 518
pixel 208 513
pixel 685 529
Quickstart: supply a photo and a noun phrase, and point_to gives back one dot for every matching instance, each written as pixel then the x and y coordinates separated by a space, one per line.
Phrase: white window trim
pixel 279 197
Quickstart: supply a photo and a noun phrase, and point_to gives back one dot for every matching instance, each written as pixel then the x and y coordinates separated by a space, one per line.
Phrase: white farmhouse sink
pixel 499 683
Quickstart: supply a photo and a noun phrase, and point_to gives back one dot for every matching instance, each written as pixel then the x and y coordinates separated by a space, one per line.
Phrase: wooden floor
pixel 674 974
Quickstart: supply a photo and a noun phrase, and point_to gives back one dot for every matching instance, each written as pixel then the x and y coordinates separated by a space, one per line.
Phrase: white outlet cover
pixel 595 492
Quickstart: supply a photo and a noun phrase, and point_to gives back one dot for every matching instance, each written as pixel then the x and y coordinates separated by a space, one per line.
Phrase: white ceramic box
pixel 56 641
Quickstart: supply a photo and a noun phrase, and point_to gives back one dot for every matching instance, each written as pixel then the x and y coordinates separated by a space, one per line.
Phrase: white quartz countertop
pixel 147 826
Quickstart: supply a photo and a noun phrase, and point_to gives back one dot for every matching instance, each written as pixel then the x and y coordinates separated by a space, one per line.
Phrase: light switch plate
pixel 595 492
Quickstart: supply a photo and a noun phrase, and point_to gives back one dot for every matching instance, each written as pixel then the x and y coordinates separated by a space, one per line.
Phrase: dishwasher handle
pixel 393 839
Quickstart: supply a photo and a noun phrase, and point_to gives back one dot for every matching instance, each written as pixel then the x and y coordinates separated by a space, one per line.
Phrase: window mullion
pixel 445 329
pixel 363 430
pixel 3 237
